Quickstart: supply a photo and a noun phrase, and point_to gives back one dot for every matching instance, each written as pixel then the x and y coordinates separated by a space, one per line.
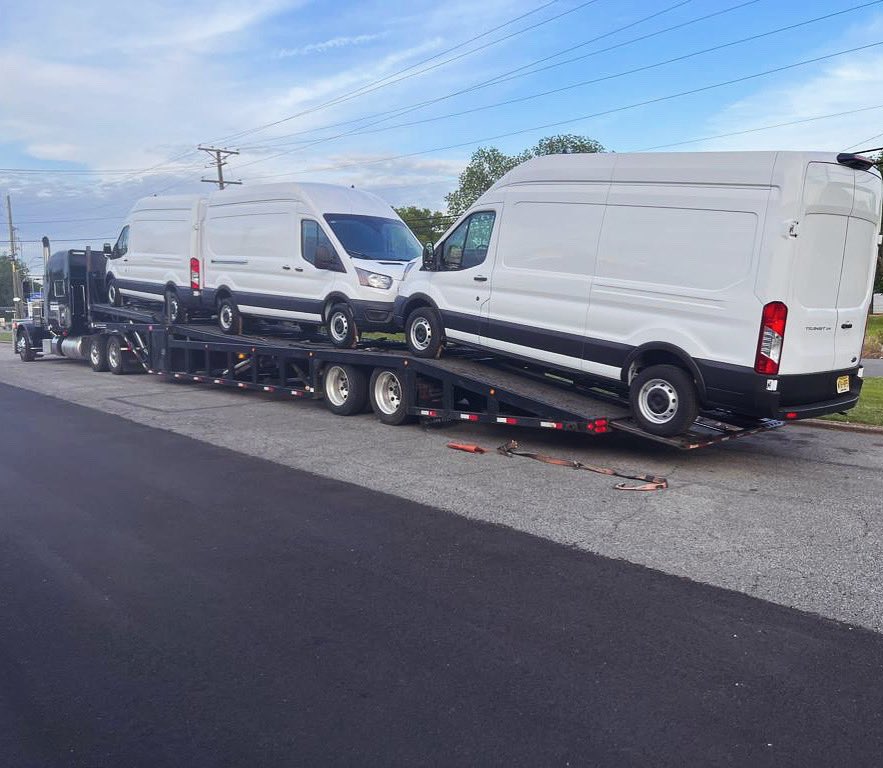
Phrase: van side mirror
pixel 324 259
pixel 107 250
pixel 429 261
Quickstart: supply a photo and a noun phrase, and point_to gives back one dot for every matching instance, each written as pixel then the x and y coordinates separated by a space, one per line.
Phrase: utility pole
pixel 219 159
pixel 16 286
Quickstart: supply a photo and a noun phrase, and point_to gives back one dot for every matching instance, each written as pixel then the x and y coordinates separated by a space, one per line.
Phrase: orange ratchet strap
pixel 467 447
pixel 648 482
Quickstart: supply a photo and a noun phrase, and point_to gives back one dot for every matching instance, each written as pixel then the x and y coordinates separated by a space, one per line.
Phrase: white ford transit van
pixel 155 255
pixel 694 281
pixel 309 253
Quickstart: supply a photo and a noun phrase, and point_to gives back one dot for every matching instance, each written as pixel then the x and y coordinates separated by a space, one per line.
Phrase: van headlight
pixel 373 279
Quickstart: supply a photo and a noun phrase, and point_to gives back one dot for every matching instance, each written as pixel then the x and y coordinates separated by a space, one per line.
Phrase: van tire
pixel 389 397
pixel 114 298
pixel 664 400
pixel 342 326
pixel 115 362
pixel 23 347
pixel 346 389
pixel 172 309
pixel 229 319
pixel 424 333
pixel 98 354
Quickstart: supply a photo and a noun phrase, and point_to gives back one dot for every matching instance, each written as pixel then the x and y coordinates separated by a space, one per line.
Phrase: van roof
pixel 165 203
pixel 755 168
pixel 322 198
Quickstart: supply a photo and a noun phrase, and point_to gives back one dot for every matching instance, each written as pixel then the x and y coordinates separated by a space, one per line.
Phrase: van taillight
pixel 194 274
pixel 772 336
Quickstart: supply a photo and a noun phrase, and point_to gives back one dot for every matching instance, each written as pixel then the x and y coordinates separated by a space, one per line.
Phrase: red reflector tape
pixel 791 415
pixel 429 413
pixel 552 424
pixel 506 420
pixel 268 389
pixel 469 416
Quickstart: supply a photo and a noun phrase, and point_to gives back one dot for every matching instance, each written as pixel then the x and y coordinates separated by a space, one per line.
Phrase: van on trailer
pixel 735 281
pixel 155 254
pixel 315 254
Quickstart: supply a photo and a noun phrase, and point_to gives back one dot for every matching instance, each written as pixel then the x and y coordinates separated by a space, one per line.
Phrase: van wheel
pixel 663 400
pixel 113 294
pixel 389 398
pixel 115 362
pixel 229 319
pixel 23 347
pixel 346 389
pixel 342 326
pixel 173 310
pixel 98 354
pixel 425 333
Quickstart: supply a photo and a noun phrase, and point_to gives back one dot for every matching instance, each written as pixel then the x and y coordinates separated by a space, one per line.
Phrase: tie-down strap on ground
pixel 648 482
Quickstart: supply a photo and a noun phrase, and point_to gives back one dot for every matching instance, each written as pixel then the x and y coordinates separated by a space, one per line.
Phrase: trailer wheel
pixel 346 389
pixel 113 294
pixel 173 311
pixel 389 398
pixel 98 354
pixel 23 347
pixel 425 333
pixel 229 319
pixel 342 326
pixel 663 400
pixel 115 362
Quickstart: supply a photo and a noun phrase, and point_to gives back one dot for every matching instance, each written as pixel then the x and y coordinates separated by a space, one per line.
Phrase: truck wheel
pixel 23 347
pixel 113 294
pixel 346 389
pixel 229 319
pixel 663 400
pixel 342 326
pixel 389 398
pixel 173 311
pixel 115 362
pixel 425 333
pixel 98 354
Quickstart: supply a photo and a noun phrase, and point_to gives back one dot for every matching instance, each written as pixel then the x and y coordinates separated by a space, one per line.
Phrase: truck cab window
pixel 58 288
pixel 467 245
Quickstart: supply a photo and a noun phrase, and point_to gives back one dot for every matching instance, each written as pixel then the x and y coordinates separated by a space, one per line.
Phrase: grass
pixel 870 406
pixel 5 336
pixel 874 337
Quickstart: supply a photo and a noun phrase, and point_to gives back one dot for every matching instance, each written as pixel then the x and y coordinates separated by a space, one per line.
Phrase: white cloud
pixel 327 45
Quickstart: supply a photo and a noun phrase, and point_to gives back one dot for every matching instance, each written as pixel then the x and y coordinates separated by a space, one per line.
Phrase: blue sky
pixel 106 101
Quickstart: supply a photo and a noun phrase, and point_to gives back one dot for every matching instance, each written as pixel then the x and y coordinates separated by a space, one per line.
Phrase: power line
pixel 866 141
pixel 220 160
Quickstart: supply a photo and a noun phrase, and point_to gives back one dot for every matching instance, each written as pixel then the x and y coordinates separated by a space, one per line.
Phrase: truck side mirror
pixel 107 250
pixel 429 260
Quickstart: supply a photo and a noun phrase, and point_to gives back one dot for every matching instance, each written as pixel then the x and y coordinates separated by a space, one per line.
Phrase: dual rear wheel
pixel 348 390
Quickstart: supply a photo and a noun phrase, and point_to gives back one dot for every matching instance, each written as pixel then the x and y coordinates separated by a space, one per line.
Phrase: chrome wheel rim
pixel 226 316
pixel 658 401
pixel 112 293
pixel 421 334
pixel 388 393
pixel 172 308
pixel 113 355
pixel 94 353
pixel 339 326
pixel 337 385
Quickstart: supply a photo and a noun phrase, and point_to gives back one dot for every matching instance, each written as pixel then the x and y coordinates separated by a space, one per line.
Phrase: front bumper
pixel 374 316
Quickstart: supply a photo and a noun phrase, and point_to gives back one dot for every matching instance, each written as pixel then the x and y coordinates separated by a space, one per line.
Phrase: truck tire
pixel 98 354
pixel 425 333
pixel 174 313
pixel 663 400
pixel 23 347
pixel 115 362
pixel 346 389
pixel 389 397
pixel 342 326
pixel 229 319
pixel 113 294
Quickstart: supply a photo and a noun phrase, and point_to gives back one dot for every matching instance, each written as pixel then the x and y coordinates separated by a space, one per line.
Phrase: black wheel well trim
pixel 415 302
pixel 172 286
pixel 672 350
pixel 222 292
pixel 331 299
pixel 110 276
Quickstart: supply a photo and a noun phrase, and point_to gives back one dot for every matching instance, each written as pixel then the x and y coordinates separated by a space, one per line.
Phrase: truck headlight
pixel 373 279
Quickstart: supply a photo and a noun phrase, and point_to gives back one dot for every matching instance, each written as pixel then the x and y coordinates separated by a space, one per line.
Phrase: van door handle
pixel 846 326
pixel 298 269
pixel 285 266
pixel 480 279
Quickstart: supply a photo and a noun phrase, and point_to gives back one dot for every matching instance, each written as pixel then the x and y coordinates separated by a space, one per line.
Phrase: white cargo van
pixel 308 253
pixel 695 281
pixel 155 255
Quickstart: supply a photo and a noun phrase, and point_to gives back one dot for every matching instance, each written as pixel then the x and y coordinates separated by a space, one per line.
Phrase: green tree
pixel 427 225
pixel 6 279
pixel 878 280
pixel 488 164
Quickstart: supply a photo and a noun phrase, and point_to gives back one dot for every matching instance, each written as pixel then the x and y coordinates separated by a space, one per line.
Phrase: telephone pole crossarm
pixel 219 159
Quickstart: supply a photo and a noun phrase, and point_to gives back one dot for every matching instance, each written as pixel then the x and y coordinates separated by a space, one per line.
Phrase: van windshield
pixel 373 237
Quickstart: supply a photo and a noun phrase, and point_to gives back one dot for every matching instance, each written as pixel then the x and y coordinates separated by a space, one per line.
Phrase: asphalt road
pixel 873 367
pixel 167 602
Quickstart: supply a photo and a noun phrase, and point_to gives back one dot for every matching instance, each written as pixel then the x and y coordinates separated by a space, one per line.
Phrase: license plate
pixel 842 385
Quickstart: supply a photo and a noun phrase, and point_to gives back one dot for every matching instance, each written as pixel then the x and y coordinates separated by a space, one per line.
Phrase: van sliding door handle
pixel 298 269
pixel 285 266
pixel 846 326
pixel 480 279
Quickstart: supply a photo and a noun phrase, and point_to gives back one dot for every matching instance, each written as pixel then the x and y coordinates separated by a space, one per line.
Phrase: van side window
pixel 122 246
pixel 314 242
pixel 467 245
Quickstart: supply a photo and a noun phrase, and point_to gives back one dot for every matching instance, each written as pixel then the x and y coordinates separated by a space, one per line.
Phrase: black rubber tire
pixel 425 319
pixel 113 294
pixel 115 362
pixel 231 323
pixel 23 344
pixel 173 312
pixel 98 354
pixel 356 395
pixel 380 379
pixel 674 399
pixel 341 325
